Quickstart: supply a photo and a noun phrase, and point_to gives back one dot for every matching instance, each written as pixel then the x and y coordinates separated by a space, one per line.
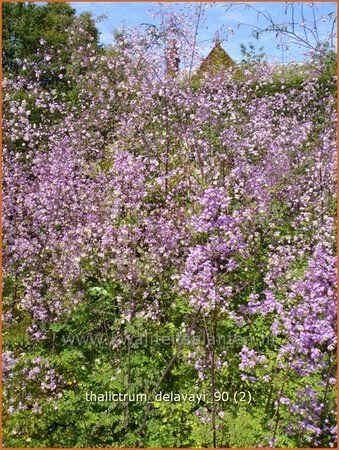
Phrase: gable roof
pixel 217 59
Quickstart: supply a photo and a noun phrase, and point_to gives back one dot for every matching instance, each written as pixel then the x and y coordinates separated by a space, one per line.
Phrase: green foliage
pixel 28 26
pixel 243 429
pixel 251 55
pixel 25 24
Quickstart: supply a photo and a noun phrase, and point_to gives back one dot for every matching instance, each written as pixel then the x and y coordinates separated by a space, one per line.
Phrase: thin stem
pixel 195 41
pixel 167 370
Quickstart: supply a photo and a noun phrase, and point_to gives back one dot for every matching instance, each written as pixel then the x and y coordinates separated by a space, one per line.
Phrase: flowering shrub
pixel 204 216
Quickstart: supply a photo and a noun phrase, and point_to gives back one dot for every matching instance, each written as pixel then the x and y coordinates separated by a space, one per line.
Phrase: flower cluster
pixel 215 202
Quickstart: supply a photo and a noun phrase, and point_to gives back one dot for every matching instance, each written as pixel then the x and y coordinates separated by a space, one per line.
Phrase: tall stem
pixel 195 41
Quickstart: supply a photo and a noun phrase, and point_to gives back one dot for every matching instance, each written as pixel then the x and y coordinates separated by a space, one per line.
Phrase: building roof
pixel 218 59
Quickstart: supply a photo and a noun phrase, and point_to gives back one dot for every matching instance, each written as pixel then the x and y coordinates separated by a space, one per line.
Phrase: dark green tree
pixel 26 25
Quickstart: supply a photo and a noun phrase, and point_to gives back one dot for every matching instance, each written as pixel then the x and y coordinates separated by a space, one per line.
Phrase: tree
pixel 251 55
pixel 26 26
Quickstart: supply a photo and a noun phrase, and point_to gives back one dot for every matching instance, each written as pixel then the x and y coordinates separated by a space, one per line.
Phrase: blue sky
pixel 217 18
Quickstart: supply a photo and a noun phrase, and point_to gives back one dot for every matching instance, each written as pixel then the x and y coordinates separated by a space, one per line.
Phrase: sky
pixel 220 18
